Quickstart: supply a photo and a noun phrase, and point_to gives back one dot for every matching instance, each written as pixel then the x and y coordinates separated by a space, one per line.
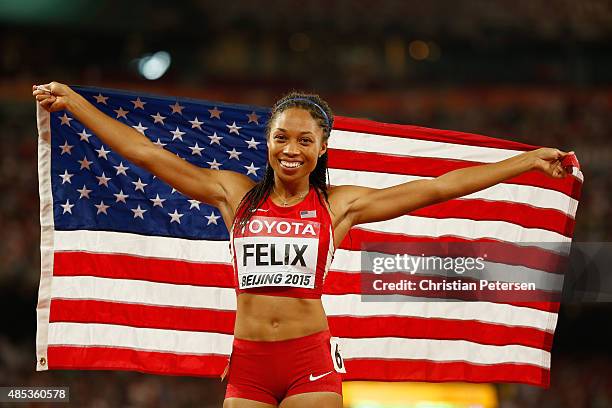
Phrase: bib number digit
pixel 336 355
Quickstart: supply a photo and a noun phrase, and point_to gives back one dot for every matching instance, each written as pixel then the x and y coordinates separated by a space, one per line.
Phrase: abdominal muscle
pixel 274 318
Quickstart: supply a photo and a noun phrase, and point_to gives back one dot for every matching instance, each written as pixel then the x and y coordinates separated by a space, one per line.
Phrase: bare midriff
pixel 274 318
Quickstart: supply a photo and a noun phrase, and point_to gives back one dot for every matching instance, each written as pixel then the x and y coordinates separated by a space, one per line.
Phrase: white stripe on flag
pixel 399 146
pixel 471 229
pixel 164 294
pixel 143 292
pixel 142 245
pixel 505 192
pixel 218 251
pixel 508 315
pixel 202 343
pixel 110 335
pixel 443 350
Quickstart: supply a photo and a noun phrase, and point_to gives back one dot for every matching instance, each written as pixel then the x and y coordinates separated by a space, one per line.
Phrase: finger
pixel 44 88
pixel 47 103
pixel 40 92
pixel 561 172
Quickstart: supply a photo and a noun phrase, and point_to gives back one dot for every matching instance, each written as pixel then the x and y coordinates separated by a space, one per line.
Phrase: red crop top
pixel 284 251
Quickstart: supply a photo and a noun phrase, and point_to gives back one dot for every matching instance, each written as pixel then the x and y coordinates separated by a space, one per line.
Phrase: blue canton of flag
pixel 96 189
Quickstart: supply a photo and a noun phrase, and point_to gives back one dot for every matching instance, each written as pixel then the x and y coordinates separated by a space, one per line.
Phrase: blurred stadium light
pixel 365 394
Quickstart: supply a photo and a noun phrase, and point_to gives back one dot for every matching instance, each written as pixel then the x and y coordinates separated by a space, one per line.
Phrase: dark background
pixel 534 71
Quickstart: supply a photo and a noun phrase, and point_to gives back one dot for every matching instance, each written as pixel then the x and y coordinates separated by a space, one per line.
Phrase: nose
pixel 291 148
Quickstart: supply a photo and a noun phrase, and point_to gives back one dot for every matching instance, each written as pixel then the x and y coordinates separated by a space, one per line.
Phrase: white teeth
pixel 291 165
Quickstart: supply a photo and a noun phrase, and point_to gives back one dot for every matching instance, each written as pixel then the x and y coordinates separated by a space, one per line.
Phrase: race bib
pixel 273 251
pixel 336 355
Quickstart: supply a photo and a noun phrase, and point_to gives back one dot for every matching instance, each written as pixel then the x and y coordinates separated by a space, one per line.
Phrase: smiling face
pixel 295 143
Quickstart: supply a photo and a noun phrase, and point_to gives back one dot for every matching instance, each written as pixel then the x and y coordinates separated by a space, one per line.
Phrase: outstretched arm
pixel 363 205
pixel 222 189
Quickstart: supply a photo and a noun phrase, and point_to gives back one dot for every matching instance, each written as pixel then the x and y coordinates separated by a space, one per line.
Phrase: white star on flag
pixel 157 201
pixel 158 118
pixel 252 143
pixel 176 108
pixel 215 113
pixel 102 153
pixel 101 99
pixel 67 207
pixel 138 212
pixel 66 177
pixel 194 204
pixel 66 120
pixel 159 143
pixel 234 154
pixel 121 169
pixel 177 134
pixel 84 136
pixel 140 128
pixel 139 185
pixel 196 123
pixel 175 217
pixel 121 113
pixel 84 163
pixel 215 139
pixel 212 218
pixel 101 208
pixel 233 128
pixel 103 180
pixel 251 169
pixel 138 104
pixel 66 148
pixel 253 117
pixel 214 165
pixel 84 192
pixel 121 197
pixel 196 150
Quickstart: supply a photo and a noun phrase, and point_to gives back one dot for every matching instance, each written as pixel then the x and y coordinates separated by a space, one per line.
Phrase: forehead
pixel 296 119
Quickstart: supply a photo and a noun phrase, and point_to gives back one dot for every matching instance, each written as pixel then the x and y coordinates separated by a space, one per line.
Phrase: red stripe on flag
pixel 437 371
pixel 113 358
pixel 219 321
pixel 338 283
pixel 439 329
pixel 434 167
pixel 137 315
pixel 178 272
pixel 507 253
pixel 519 214
pixel 424 133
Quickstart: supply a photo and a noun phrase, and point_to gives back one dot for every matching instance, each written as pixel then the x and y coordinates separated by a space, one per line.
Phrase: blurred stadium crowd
pixel 530 71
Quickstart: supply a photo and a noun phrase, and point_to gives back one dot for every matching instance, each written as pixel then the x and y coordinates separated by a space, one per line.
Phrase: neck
pixel 287 190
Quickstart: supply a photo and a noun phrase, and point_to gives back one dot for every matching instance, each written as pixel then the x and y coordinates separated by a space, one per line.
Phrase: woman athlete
pixel 284 230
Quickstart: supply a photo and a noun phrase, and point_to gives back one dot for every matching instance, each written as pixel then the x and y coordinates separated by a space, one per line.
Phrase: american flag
pixel 137 276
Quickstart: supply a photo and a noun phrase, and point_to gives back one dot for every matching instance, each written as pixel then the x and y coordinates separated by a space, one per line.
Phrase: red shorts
pixel 269 371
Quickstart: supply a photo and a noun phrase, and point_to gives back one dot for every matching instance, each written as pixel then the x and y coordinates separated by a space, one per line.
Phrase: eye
pixel 280 137
pixel 305 141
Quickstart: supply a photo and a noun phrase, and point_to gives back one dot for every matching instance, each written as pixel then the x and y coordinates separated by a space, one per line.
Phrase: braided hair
pixel 322 114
